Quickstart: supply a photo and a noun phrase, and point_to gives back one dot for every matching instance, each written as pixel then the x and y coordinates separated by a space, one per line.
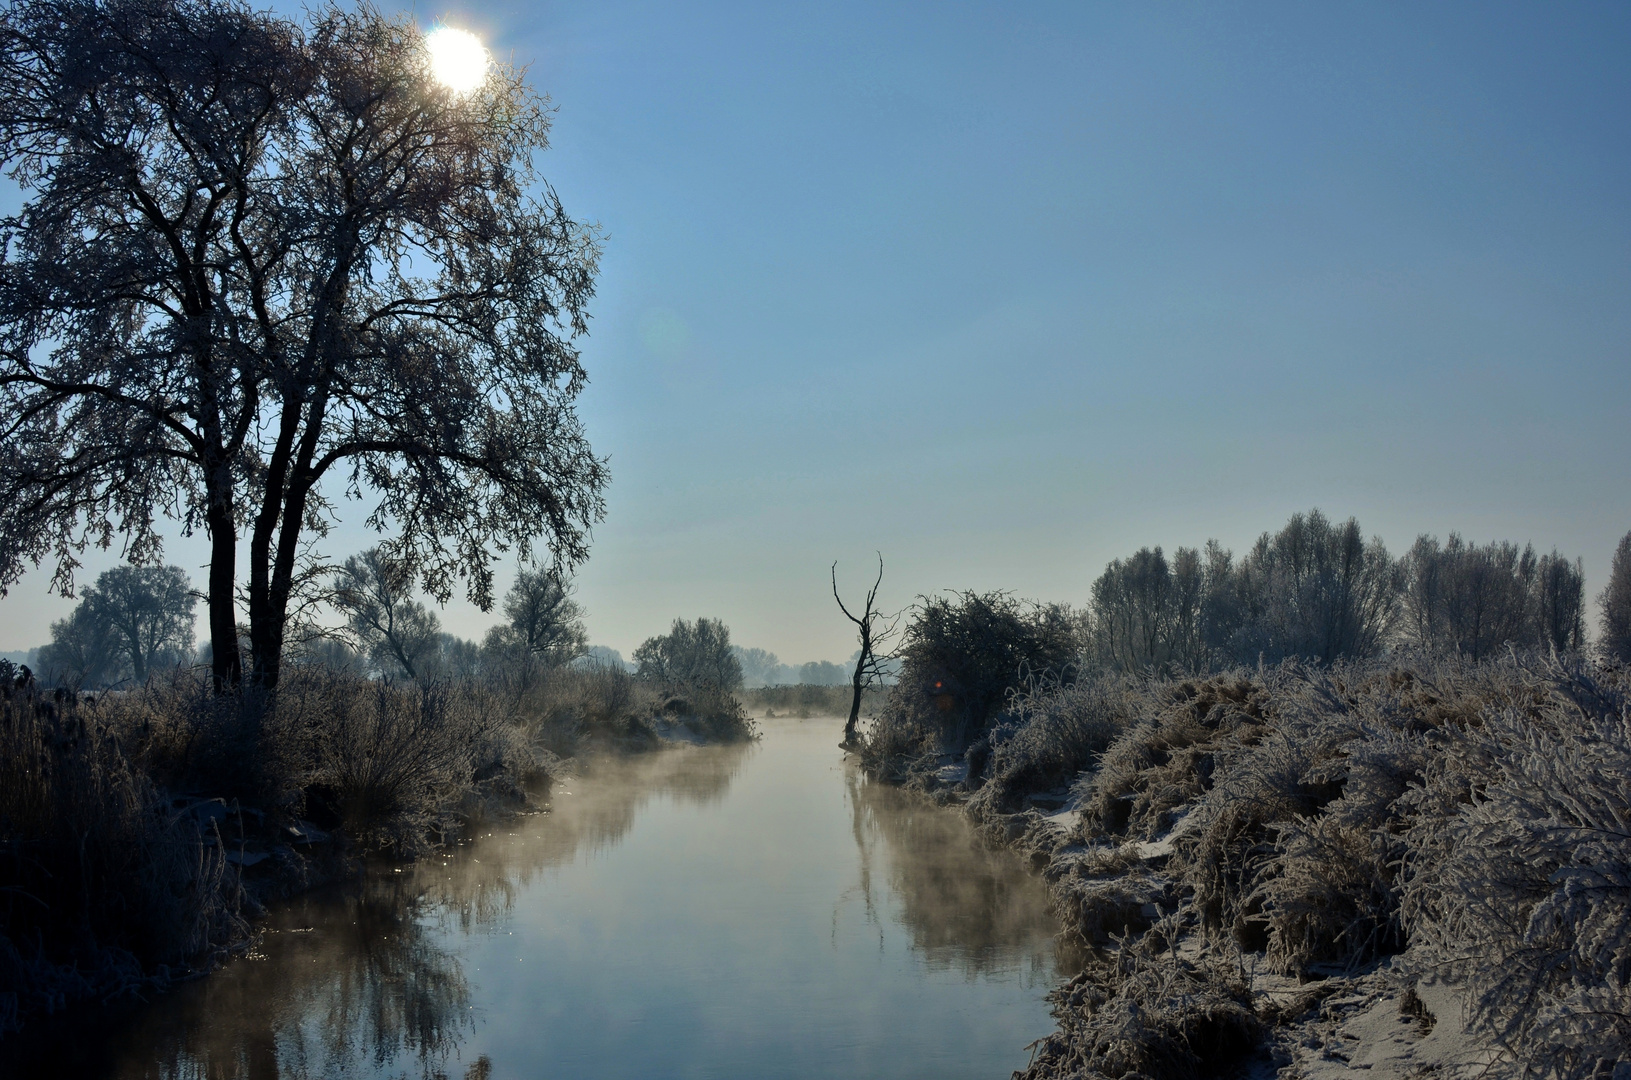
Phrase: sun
pixel 458 59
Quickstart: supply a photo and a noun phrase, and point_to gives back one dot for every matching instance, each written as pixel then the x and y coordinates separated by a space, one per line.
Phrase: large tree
pixel 263 265
pixel 132 622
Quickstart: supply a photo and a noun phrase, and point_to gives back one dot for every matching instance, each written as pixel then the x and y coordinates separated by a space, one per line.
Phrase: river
pixel 752 911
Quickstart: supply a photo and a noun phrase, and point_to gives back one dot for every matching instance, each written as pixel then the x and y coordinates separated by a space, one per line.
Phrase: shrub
pixel 567 709
pixel 1049 737
pixel 104 888
pixel 961 657
pixel 1520 857
pixel 391 764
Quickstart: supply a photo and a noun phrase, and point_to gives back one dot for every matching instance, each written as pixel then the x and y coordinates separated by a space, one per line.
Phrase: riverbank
pixel 1403 868
pixel 753 911
pixel 146 833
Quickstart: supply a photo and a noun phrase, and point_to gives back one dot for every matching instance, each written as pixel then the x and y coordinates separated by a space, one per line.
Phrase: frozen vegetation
pixel 1397 839
pixel 144 829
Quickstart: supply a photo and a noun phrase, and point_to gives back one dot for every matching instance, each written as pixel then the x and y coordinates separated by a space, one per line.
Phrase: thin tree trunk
pixel 855 705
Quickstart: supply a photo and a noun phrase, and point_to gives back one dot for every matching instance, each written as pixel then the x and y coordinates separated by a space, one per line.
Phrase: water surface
pixel 754 911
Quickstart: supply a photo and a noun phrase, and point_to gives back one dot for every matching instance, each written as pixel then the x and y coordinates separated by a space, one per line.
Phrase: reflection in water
pixel 966 904
pixel 358 976
pixel 673 915
pixel 468 889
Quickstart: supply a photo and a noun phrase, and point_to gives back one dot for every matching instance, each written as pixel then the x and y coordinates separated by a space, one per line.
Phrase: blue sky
pixel 1008 293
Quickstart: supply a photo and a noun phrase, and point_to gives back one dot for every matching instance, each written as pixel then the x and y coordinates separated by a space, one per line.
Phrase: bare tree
pixel 1615 604
pixel 257 258
pixel 375 591
pixel 875 630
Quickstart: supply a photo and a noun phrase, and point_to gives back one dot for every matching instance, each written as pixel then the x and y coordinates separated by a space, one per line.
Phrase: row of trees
pixel 137 621
pixel 400 635
pixel 1320 590
pixel 763 668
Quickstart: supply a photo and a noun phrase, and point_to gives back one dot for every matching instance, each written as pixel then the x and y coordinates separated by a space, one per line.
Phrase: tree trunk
pixel 225 662
pixel 854 705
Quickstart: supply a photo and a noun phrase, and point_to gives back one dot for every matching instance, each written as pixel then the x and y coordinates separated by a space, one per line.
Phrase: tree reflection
pixel 362 979
pixel 967 905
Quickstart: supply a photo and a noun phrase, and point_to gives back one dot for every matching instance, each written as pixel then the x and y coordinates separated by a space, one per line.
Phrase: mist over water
pixel 737 911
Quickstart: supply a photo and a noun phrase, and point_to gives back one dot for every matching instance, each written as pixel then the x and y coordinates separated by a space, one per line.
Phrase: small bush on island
pixel 696 672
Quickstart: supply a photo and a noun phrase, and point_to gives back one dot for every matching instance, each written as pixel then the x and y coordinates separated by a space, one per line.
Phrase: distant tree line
pixel 763 668
pixel 1316 590
pixel 1319 590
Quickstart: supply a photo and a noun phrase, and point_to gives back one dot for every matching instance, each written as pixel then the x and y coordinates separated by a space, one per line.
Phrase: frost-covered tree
pixel 374 590
pixel 1315 590
pixel 1468 599
pixel 1133 611
pixel 696 655
pixel 1472 600
pixel 134 621
pixel 1615 605
pixel 1557 606
pixel 1149 614
pixel 545 624
pixel 262 263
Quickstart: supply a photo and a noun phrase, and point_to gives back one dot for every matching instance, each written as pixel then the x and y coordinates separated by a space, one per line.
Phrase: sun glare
pixel 458 60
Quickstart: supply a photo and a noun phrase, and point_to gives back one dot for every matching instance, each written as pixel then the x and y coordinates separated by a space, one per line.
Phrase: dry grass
pixel 104 888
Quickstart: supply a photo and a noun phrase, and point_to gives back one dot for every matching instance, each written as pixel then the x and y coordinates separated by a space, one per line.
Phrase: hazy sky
pixel 1006 294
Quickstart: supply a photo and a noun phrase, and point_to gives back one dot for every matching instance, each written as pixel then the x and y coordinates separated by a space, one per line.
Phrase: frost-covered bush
pixel 962 656
pixel 1050 736
pixel 1521 870
pixel 392 763
pixel 1146 1011
pixel 1470 820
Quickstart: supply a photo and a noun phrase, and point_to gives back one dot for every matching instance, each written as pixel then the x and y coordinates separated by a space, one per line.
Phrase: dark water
pixel 748 912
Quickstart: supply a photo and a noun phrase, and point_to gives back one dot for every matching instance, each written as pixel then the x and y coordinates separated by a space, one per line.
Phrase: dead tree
pixel 875 629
